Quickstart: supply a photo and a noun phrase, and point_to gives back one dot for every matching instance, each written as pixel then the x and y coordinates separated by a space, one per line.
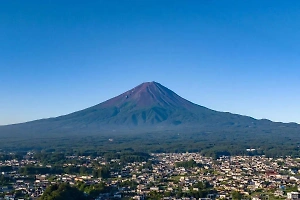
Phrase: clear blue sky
pixel 57 57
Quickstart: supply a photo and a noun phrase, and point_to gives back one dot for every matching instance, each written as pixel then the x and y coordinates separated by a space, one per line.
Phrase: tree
pixel 102 172
pixel 83 170
pixel 236 195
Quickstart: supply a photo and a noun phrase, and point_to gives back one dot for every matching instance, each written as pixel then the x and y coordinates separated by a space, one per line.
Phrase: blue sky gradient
pixel 58 57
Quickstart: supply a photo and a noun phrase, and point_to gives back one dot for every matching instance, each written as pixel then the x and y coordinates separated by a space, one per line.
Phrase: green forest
pixel 213 145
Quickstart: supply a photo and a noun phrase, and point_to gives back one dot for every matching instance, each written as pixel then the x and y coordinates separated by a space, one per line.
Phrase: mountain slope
pixel 145 108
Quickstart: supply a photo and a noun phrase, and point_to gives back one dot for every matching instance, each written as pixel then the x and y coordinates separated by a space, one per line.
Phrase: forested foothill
pixel 208 144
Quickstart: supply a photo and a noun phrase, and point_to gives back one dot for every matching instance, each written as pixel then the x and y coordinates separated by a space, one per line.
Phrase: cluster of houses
pixel 253 177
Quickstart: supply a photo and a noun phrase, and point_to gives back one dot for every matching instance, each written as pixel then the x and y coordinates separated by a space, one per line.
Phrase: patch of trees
pixel 202 190
pixel 11 156
pixel 188 164
pixel 102 172
pixel 134 157
pixel 62 191
pixel 93 190
pixel 4 180
pixel 32 170
pixel 71 170
pixel 50 158
pixel 147 165
pixel 236 195
pixel 5 168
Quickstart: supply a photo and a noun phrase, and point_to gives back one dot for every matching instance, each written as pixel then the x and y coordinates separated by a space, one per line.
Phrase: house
pixel 293 195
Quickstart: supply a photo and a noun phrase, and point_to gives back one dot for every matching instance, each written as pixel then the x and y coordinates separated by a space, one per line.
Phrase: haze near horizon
pixel 237 56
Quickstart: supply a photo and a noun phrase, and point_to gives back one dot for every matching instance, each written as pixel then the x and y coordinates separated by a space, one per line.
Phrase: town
pixel 161 176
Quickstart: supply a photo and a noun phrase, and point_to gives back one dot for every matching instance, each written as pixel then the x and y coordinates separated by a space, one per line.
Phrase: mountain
pixel 149 107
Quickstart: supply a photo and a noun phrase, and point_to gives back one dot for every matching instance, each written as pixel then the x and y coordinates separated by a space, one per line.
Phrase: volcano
pixel 148 107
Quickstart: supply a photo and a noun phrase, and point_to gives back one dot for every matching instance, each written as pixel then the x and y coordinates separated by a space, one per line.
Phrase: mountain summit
pixel 149 103
pixel 148 107
pixel 148 94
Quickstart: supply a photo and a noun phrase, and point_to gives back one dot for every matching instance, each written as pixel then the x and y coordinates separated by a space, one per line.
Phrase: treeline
pixel 213 144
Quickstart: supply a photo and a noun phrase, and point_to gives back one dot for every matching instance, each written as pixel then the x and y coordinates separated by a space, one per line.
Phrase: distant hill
pixel 149 107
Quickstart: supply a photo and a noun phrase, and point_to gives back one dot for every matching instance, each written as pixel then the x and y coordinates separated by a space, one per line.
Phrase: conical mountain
pixel 148 104
pixel 145 108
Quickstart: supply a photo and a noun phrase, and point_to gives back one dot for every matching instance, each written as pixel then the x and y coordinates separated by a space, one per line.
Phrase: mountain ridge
pixel 147 107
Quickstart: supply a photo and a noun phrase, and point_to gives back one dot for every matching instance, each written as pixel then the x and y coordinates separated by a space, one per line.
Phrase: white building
pixel 293 195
